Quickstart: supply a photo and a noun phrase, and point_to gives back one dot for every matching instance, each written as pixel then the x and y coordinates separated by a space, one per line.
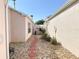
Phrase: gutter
pixel 6 30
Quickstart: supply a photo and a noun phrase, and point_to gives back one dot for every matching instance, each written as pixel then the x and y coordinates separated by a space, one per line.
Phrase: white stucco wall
pixel 28 20
pixel 3 37
pixel 67 24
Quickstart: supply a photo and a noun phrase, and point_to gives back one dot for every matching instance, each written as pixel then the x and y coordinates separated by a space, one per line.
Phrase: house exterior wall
pixel 67 25
pixel 9 20
pixel 3 34
pixel 29 24
pixel 19 26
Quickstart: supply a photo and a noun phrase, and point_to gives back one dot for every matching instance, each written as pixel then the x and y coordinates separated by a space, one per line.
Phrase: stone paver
pixel 32 49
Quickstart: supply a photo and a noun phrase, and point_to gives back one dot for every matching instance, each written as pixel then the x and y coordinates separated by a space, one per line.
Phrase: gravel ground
pixel 63 53
pixel 42 50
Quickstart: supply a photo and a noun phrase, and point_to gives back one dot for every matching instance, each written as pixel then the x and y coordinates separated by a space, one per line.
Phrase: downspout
pixel 6 30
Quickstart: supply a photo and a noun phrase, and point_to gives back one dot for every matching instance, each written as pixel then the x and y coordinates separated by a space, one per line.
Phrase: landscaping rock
pixel 43 50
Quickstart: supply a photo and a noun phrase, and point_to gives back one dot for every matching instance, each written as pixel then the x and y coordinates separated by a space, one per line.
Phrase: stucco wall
pixel 3 36
pixel 67 24
pixel 28 20
pixel 19 26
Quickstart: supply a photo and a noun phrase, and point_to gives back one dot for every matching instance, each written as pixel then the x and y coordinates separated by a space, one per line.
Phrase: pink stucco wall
pixel 19 26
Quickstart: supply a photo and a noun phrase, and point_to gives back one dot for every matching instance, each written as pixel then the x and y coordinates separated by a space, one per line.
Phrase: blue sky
pixel 40 9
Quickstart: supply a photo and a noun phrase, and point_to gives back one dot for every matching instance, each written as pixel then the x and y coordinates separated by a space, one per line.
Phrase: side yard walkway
pixel 36 48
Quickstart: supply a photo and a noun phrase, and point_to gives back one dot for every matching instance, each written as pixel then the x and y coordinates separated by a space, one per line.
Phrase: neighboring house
pixel 20 26
pixel 38 28
pixel 66 23
pixel 4 43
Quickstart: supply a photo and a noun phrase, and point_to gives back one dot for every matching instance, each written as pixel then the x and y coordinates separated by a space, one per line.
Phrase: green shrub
pixel 54 41
pixel 46 37
pixel 42 31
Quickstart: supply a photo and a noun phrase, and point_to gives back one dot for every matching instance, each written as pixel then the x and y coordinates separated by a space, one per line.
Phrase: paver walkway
pixel 36 48
pixel 32 49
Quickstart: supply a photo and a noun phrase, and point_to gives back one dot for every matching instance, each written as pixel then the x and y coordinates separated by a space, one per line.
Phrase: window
pixel 29 28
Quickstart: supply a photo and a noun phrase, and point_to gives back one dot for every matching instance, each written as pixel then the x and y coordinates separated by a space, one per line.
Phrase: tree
pixel 31 15
pixel 40 22
pixel 14 2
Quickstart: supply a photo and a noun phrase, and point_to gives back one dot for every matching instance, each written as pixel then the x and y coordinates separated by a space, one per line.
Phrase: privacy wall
pixel 67 26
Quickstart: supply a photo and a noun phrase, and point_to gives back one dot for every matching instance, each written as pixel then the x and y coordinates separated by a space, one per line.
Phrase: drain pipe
pixel 6 29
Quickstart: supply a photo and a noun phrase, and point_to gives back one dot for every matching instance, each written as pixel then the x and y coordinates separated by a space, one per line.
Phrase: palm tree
pixel 31 16
pixel 14 2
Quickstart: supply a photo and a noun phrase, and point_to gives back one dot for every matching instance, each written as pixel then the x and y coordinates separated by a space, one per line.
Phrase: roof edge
pixel 21 13
pixel 65 7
